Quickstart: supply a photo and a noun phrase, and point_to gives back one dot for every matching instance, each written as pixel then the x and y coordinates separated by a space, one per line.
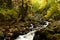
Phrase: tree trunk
pixel 23 11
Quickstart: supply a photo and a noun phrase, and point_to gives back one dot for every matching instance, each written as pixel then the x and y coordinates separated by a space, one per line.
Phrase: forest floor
pixel 7 30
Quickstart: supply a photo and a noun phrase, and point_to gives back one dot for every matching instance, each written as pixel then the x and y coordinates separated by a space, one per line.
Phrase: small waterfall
pixel 28 36
pixel 31 34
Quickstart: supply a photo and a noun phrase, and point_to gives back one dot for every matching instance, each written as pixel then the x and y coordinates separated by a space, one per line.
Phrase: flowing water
pixel 31 34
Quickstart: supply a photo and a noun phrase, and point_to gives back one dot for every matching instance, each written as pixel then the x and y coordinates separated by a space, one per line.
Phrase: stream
pixel 31 35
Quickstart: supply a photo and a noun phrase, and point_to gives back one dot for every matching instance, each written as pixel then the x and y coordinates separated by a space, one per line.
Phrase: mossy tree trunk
pixel 24 10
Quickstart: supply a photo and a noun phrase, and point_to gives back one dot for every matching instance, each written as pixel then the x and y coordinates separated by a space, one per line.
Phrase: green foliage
pixel 51 33
pixel 50 11
pixel 9 14
pixel 53 12
pixel 1 33
pixel 35 7
pixel 38 5
pixel 6 4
